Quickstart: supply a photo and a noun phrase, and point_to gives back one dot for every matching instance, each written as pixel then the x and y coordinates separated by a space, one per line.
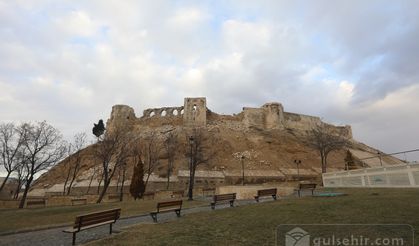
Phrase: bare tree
pixel 112 151
pixel 43 148
pixel 170 145
pixel 11 141
pixel 75 156
pixel 199 153
pixel 21 174
pixel 325 139
pixel 150 152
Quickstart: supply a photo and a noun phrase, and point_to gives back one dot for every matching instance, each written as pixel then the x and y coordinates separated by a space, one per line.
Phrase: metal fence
pixel 405 175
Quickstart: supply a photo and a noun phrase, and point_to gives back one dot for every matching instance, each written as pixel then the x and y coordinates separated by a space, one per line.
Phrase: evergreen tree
pixel 137 185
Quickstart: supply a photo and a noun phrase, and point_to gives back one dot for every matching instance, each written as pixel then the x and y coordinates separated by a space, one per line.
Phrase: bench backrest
pixel 224 197
pixel 97 218
pixel 307 186
pixel 208 189
pixel 169 204
pixel 35 202
pixel 267 192
pixel 111 197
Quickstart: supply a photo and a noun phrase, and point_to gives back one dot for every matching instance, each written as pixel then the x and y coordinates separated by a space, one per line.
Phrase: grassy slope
pixel 256 224
pixel 18 219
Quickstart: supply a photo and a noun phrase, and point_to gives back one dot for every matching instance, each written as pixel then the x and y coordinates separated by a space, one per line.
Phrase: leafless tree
pixel 112 151
pixel 11 141
pixel 170 144
pixel 150 153
pixel 43 148
pixel 95 172
pixel 325 139
pixel 199 153
pixel 75 159
pixel 21 174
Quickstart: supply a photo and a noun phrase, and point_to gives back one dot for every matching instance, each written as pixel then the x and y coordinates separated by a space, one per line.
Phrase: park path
pixel 52 237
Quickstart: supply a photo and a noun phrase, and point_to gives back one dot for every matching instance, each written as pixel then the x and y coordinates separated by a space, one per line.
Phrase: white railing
pixel 405 175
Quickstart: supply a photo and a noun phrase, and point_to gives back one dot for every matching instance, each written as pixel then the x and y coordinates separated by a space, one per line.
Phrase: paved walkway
pixel 52 237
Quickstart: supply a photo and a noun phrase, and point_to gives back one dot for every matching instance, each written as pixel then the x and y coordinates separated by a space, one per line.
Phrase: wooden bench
pixel 114 197
pixel 206 190
pixel 266 192
pixel 149 194
pixel 170 206
pixel 310 186
pixel 37 202
pixel 88 221
pixel 78 201
pixel 224 198
pixel 179 193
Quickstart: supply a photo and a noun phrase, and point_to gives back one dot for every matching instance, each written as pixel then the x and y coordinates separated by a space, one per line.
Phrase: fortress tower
pixel 195 112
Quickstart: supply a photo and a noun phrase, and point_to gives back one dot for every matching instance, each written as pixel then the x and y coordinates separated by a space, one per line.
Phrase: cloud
pixel 350 63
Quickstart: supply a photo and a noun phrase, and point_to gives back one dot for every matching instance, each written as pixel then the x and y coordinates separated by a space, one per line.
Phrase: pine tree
pixel 137 186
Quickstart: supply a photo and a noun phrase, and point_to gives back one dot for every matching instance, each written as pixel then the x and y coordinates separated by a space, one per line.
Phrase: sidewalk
pixel 52 237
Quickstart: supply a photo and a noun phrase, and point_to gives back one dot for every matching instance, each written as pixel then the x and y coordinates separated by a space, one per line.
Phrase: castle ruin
pixel 194 113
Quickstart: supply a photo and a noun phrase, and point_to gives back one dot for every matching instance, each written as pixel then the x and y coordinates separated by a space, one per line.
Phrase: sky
pixel 348 62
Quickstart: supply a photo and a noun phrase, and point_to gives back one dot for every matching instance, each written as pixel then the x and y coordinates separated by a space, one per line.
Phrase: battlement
pixel 194 112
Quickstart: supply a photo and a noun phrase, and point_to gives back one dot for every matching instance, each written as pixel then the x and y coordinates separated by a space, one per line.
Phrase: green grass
pixel 32 218
pixel 256 224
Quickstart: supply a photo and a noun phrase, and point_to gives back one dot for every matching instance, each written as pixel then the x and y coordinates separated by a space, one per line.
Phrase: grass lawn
pixel 19 219
pixel 256 224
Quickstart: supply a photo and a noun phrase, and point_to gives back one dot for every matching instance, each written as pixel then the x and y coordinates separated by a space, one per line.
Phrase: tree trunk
pixel 324 164
pixel 169 172
pixel 76 170
pixel 191 183
pixel 121 194
pixel 5 180
pixel 105 188
pixel 90 183
pixel 98 186
pixel 25 193
pixel 66 181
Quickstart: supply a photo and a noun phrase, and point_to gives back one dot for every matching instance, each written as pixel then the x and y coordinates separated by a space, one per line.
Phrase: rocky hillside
pixel 227 138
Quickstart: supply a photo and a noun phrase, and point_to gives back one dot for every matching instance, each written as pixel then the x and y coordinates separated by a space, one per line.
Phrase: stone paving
pixel 52 237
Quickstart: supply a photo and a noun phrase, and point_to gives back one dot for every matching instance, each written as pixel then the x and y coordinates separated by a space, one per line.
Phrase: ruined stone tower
pixel 195 112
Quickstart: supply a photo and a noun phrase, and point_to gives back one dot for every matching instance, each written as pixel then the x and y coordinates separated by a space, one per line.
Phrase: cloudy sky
pixel 349 62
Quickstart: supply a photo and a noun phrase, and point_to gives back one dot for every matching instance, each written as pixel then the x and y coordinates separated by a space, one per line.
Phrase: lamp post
pixel 191 143
pixel 242 160
pixel 298 162
pixel 379 156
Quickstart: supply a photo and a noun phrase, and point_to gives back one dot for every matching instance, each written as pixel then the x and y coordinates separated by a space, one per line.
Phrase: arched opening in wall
pixel 163 113
pixel 152 114
pixel 175 112
pixel 194 107
pixel 182 111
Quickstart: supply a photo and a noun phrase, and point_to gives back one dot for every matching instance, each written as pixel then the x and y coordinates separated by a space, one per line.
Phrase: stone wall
pixel 163 112
pixel 195 112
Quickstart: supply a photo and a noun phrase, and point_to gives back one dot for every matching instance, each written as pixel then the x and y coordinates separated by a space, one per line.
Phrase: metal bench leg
pixel 299 194
pixel 110 228
pixel 213 206
pixel 231 203
pixel 74 238
pixel 274 197
pixel 154 216
pixel 177 213
pixel 257 199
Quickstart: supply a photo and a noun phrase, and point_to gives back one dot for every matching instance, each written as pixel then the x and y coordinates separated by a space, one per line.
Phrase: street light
pixel 379 156
pixel 298 162
pixel 242 160
pixel 191 143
